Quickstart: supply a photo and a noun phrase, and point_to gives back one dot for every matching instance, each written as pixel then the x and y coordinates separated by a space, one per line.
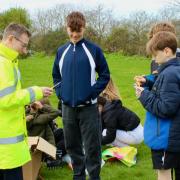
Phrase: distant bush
pixel 49 42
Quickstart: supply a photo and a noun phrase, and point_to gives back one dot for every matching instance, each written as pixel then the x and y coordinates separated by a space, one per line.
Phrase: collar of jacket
pixel 79 42
pixel 173 61
pixel 8 53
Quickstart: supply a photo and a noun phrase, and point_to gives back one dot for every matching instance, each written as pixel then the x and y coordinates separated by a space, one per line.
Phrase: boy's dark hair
pixel 75 21
pixel 162 26
pixel 160 41
pixel 16 30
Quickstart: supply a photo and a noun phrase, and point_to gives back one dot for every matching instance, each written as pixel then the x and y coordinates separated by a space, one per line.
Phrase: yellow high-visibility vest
pixel 14 150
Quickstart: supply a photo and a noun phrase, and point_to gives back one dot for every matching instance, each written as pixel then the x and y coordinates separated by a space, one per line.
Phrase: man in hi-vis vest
pixel 14 151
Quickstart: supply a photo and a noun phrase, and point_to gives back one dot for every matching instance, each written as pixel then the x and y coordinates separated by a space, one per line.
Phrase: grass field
pixel 37 71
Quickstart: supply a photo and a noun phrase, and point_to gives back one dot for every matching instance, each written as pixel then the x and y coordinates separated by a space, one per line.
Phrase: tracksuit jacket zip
pixel 74 74
pixel 76 66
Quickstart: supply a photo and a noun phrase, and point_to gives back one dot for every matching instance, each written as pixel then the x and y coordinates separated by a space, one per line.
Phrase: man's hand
pixel 139 80
pixel 47 91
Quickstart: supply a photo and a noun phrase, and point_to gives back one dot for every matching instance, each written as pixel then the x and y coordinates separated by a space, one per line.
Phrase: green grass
pixel 37 70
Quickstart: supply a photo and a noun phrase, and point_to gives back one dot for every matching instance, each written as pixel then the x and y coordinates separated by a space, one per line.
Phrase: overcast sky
pixel 120 7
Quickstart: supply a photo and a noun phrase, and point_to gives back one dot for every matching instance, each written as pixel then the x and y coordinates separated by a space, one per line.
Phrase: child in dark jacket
pixel 38 118
pixel 162 101
pixel 121 126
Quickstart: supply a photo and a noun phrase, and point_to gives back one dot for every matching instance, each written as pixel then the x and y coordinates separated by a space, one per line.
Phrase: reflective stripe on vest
pixel 32 94
pixel 12 140
pixel 10 89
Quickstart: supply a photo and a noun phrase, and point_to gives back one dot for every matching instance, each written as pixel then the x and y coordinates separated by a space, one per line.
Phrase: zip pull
pixel 74 47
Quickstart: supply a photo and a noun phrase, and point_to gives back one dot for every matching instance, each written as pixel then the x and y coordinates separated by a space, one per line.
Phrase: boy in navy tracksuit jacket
pixel 162 101
pixel 74 72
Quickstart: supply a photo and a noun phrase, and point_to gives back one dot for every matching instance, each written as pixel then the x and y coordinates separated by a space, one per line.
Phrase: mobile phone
pixel 56 85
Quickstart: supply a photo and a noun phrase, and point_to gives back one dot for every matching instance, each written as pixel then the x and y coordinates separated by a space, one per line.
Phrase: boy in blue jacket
pixel 74 71
pixel 162 101
pixel 160 26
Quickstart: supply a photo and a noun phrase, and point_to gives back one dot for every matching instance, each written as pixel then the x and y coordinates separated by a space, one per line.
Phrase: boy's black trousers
pixel 82 132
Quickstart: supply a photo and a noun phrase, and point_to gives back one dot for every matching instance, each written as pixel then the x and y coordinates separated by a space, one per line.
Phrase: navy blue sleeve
pixel 150 79
pixel 56 74
pixel 103 74
pixel 165 102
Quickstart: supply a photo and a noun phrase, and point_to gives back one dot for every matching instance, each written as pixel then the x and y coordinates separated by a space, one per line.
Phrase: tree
pixel 117 40
pixel 16 15
pixel 49 42
pixel 101 20
pixel 91 34
pixel 168 14
pixel 51 19
pixel 138 25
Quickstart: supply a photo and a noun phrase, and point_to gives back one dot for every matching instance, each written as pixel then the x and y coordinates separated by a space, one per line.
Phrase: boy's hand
pixel 155 72
pixel 139 90
pixel 29 118
pixel 139 80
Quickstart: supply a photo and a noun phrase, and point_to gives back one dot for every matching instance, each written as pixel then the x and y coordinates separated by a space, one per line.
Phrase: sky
pixel 119 7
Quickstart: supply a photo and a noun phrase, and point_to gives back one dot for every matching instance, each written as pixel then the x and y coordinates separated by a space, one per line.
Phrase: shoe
pixel 55 163
pixel 52 164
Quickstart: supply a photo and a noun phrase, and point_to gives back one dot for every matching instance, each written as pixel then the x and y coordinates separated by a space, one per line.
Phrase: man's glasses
pixel 24 45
